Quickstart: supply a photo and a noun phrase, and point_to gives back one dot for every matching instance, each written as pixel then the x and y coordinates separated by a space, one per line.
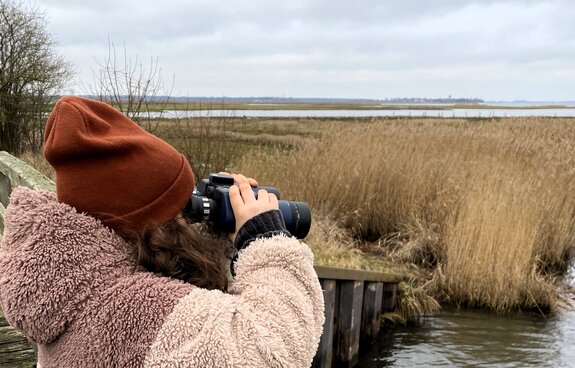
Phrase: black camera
pixel 211 202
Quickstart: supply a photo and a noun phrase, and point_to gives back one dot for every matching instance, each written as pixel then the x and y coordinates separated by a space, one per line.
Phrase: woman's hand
pixel 245 204
pixel 239 178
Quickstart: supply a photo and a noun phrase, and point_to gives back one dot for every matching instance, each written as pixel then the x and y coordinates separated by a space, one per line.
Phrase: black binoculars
pixel 210 202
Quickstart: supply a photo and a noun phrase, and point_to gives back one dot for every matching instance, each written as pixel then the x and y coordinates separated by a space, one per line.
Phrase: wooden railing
pixel 14 173
pixel 15 350
pixel 354 299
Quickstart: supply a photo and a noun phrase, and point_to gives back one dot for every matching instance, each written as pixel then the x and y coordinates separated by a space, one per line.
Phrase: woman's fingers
pixel 235 198
pixel 239 178
pixel 247 193
pixel 243 195
pixel 274 201
pixel 263 196
pixel 245 204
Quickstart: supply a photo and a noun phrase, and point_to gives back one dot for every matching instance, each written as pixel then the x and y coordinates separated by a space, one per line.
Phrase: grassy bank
pixel 479 211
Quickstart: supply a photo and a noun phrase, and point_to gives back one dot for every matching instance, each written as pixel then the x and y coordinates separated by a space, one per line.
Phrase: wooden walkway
pixel 354 299
pixel 15 350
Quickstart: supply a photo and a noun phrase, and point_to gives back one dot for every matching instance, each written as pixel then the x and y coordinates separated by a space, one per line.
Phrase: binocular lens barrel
pixel 297 217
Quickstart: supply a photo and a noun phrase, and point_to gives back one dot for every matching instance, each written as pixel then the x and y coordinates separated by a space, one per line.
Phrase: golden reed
pixel 488 206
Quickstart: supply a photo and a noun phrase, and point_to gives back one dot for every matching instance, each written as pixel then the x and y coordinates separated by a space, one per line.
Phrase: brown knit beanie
pixel 109 167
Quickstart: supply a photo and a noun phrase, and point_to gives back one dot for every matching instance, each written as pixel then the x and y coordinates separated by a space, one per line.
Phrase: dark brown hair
pixel 183 251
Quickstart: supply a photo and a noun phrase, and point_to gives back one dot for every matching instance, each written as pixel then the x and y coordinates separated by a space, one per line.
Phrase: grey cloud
pixel 219 43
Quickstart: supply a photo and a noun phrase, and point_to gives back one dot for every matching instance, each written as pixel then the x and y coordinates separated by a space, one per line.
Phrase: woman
pixel 107 273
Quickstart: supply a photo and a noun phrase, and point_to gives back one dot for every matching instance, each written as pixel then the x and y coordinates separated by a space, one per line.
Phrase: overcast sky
pixel 495 50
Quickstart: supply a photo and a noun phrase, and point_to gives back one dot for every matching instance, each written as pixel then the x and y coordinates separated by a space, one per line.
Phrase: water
pixel 451 113
pixel 477 339
pixel 458 338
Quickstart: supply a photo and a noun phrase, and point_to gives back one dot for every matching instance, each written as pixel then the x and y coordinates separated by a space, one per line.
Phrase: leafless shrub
pixel 30 74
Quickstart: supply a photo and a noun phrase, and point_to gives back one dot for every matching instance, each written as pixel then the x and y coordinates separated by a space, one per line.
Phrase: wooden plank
pixel 347 334
pixel 371 314
pixel 22 174
pixel 15 350
pixel 7 347
pixel 3 321
pixel 5 188
pixel 390 292
pixel 323 357
pixel 13 173
pixel 18 360
pixel 335 273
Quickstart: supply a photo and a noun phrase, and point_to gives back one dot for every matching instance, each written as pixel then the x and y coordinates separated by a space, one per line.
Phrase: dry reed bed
pixel 487 206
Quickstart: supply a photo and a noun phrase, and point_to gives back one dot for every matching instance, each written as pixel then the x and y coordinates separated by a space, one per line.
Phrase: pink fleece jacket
pixel 72 286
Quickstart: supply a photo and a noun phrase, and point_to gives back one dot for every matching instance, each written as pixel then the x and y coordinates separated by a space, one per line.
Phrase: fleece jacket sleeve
pixel 273 317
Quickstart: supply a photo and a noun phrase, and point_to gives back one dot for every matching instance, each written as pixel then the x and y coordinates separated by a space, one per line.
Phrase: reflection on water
pixel 478 339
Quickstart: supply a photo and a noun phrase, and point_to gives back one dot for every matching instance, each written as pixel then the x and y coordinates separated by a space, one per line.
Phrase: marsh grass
pixel 212 143
pixel 484 208
pixel 334 246
pixel 486 205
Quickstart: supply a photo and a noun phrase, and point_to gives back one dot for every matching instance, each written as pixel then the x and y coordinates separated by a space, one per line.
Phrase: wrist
pixel 263 225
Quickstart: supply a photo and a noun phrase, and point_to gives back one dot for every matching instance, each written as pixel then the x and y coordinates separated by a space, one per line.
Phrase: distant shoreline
pixel 163 103
pixel 193 105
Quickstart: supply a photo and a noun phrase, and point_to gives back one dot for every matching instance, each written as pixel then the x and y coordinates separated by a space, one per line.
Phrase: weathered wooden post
pixel 323 358
pixel 371 314
pixel 390 291
pixel 349 307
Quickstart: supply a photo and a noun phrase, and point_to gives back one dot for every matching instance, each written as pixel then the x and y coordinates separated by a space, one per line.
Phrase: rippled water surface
pixel 478 339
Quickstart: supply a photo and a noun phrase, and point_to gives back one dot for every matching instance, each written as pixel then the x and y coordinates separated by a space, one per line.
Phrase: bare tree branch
pixel 129 86
pixel 31 73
